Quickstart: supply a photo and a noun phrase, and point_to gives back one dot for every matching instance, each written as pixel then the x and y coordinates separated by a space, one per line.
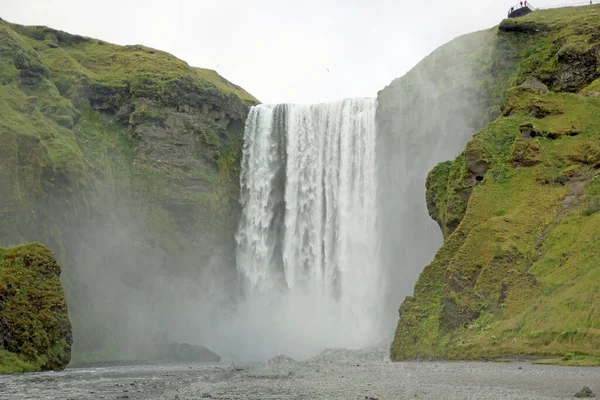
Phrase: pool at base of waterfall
pixel 334 374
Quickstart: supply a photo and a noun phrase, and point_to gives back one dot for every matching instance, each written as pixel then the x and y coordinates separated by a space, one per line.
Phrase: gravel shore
pixel 334 374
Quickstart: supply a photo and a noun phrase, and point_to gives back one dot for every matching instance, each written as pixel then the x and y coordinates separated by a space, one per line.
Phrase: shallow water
pixel 335 374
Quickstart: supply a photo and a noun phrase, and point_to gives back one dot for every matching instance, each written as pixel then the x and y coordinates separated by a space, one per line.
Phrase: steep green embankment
pixel 124 161
pixel 518 272
pixel 425 117
pixel 35 332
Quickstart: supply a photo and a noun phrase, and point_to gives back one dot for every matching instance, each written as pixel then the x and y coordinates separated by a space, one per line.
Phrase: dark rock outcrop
pixel 585 393
pixel 578 66
pixel 188 353
pixel 521 26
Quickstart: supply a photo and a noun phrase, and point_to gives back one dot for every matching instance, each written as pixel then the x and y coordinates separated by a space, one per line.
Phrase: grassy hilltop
pixel 519 208
pixel 124 160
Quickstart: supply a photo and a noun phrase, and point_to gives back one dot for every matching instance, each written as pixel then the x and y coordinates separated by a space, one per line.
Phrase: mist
pixel 328 235
pixel 422 119
pixel 131 294
pixel 127 296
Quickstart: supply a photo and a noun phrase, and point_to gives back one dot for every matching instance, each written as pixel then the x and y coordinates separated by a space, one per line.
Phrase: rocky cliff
pixel 124 160
pixel 517 272
pixel 35 331
pixel 425 117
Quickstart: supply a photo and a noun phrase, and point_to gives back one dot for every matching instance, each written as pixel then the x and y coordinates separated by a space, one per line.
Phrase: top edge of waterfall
pixel 270 105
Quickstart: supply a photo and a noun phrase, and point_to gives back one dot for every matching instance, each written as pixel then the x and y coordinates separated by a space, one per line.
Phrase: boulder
pixel 534 85
pixel 585 393
pixel 526 152
pixel 34 321
pixel 188 353
pixel 476 159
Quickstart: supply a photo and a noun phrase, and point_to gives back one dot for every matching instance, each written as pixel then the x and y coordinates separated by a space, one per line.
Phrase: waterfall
pixel 307 240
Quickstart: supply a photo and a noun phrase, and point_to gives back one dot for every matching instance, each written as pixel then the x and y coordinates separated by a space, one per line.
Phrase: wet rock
pixel 188 352
pixel 585 393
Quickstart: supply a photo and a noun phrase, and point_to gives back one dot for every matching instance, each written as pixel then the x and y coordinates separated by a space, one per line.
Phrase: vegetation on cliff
pixel 35 331
pixel 124 160
pixel 519 209
pixel 425 117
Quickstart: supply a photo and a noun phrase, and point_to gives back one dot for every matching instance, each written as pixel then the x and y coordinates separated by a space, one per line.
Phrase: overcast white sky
pixel 278 50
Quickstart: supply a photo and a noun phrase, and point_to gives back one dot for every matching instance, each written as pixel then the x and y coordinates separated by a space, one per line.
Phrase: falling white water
pixel 307 241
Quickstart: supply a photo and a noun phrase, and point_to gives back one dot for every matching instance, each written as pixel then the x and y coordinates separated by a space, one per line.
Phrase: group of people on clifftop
pixel 522 4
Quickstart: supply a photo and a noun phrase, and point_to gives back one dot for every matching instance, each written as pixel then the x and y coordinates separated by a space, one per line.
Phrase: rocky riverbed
pixel 334 374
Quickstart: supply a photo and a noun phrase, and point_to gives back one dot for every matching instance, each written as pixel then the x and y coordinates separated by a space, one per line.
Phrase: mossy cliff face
pixel 35 332
pixel 124 161
pixel 518 271
pixel 425 117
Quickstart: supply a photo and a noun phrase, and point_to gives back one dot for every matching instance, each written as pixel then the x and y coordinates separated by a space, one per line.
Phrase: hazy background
pixel 278 50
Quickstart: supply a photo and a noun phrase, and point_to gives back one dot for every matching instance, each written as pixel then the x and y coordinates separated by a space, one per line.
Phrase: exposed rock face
pixel 125 161
pixel 578 66
pixel 34 321
pixel 523 244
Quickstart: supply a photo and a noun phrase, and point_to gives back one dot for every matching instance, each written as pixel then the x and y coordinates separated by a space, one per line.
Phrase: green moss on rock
pixel 449 187
pixel 526 152
pixel 517 275
pixel 35 331
pixel 124 138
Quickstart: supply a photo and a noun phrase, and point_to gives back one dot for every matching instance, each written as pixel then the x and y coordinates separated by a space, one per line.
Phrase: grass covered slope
pixel 35 332
pixel 425 117
pixel 518 272
pixel 123 160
